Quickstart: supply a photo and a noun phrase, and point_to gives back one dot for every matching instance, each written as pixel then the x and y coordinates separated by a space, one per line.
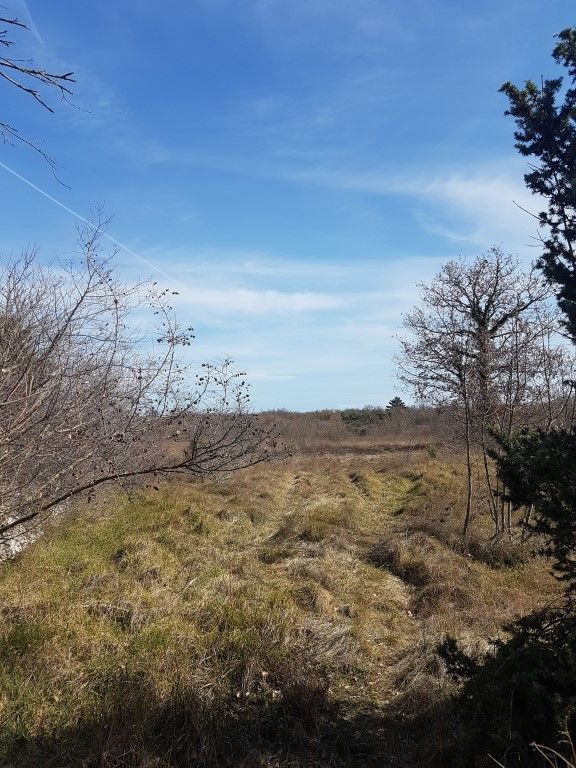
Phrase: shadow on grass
pixel 185 731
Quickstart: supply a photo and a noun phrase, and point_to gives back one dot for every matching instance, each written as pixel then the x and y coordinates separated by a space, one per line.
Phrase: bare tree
pixel 482 340
pixel 87 399
pixel 34 81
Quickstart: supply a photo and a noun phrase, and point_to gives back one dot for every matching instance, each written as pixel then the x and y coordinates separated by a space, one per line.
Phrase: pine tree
pixel 396 402
pixel 545 118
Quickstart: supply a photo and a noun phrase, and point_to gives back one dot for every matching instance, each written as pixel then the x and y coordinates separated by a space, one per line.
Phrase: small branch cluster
pixel 34 81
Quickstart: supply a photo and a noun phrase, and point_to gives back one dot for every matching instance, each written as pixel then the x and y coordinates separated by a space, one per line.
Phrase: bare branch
pixel 34 81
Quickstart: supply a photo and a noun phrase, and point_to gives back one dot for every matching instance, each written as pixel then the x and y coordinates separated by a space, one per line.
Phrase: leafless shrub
pixel 87 399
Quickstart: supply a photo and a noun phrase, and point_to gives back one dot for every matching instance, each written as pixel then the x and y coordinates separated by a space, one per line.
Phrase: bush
pixel 358 417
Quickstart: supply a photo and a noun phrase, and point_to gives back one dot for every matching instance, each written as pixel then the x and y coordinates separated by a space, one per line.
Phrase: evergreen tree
pixel 539 468
pixel 396 402
pixel 545 118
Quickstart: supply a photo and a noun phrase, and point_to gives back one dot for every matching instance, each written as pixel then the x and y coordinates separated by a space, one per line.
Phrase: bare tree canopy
pixel 485 341
pixel 90 394
pixel 32 80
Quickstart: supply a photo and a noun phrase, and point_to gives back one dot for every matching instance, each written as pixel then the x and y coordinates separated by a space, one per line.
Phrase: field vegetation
pixel 288 616
pixel 367 430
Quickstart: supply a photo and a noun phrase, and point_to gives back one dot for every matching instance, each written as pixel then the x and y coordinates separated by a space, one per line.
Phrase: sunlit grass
pixel 203 624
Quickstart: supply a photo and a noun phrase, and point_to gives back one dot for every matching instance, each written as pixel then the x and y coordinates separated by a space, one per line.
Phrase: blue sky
pixel 295 166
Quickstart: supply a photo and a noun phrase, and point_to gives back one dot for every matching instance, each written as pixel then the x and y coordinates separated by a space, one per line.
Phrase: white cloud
pixel 255 302
pixel 487 201
pixel 479 205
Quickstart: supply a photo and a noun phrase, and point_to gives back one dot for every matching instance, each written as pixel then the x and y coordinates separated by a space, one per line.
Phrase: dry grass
pixel 283 618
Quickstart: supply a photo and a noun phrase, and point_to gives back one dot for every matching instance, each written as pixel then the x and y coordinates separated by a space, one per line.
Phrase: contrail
pixel 30 21
pixel 77 215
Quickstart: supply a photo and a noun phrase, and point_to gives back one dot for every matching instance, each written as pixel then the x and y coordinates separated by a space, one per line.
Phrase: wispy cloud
pixel 345 112
pixel 477 205
pixel 255 302
pixel 485 201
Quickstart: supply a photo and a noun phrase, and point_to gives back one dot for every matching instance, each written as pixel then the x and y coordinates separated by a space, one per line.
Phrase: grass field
pixel 287 616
